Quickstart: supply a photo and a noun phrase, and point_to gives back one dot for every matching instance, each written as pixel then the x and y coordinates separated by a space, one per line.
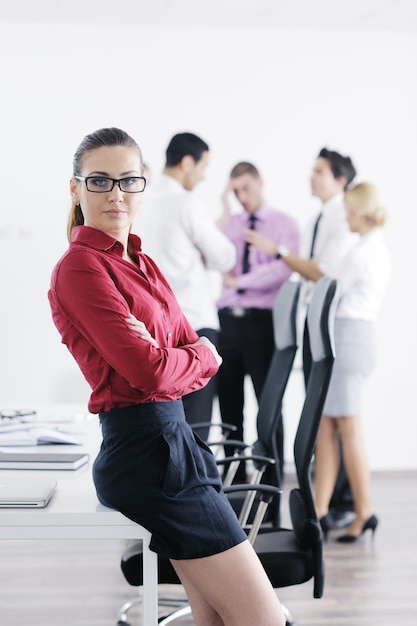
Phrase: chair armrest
pixel 243 457
pixel 260 462
pixel 265 493
pixel 223 426
pixel 231 442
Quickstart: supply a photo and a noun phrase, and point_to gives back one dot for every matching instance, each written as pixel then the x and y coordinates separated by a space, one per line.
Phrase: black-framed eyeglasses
pixel 13 415
pixel 104 184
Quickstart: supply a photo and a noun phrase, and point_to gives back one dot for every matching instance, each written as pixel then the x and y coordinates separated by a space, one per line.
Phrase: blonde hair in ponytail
pixel 364 199
pixel 75 218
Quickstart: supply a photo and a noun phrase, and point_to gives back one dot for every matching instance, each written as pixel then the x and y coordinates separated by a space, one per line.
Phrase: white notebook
pixel 29 492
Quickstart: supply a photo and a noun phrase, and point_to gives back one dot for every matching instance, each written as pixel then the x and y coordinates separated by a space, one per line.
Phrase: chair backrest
pixel 320 320
pixel 285 336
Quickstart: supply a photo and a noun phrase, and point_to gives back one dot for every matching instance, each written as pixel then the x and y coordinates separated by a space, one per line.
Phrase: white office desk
pixel 75 513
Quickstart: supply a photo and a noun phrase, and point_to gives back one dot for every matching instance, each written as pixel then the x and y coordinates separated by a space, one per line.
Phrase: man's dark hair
pixel 184 144
pixel 244 167
pixel 340 165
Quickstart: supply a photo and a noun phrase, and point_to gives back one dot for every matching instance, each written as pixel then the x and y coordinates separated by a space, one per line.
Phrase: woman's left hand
pixel 140 329
pixel 260 242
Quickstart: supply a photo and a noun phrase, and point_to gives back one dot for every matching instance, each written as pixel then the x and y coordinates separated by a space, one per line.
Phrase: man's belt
pixel 237 311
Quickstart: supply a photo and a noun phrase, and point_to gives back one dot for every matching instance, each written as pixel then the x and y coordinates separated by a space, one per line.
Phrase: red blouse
pixel 92 290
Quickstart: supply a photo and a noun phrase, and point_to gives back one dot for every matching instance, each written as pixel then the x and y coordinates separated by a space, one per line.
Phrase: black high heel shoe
pixel 370 524
pixel 326 523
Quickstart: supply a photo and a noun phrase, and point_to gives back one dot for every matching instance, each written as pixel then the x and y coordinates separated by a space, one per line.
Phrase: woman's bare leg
pixel 327 461
pixel 357 470
pixel 230 589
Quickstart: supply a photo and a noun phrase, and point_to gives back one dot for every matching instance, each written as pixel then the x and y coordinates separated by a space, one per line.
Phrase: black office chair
pixel 265 453
pixel 289 556
pixel 269 409
pixel 292 556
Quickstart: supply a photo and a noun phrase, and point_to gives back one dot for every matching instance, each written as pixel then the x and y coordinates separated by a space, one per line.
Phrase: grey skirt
pixel 355 359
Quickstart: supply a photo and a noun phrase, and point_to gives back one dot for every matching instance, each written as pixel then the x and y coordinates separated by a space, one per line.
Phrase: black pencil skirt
pixel 155 470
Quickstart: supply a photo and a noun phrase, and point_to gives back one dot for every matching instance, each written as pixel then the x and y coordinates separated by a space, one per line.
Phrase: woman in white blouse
pixel 363 277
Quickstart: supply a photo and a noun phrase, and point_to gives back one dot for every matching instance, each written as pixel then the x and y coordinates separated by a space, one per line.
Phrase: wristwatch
pixel 282 251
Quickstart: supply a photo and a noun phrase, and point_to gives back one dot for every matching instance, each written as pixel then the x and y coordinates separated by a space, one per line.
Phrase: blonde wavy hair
pixel 365 199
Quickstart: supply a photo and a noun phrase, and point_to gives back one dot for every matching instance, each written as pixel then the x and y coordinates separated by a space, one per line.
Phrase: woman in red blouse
pixel 151 466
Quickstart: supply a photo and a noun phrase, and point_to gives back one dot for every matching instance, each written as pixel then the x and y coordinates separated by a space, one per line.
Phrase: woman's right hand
pixel 225 216
pixel 140 329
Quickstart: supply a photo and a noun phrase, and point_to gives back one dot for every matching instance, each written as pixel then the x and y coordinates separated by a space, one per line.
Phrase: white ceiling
pixel 354 15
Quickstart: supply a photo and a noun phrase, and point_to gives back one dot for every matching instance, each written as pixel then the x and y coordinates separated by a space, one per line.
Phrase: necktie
pixel 245 261
pixel 313 241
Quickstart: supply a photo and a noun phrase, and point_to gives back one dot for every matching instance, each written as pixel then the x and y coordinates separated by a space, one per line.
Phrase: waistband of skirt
pixel 142 414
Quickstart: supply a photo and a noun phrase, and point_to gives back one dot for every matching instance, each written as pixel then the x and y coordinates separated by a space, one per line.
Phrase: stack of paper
pixel 26 435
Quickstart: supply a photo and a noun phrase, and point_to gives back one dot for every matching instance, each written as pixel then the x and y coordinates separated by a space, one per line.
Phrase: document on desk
pixel 25 435
pixel 43 460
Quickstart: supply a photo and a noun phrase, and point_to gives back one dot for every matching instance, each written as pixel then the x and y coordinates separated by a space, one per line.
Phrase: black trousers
pixel 198 405
pixel 341 500
pixel 246 344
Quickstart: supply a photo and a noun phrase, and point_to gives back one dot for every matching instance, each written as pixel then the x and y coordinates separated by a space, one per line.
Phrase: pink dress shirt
pixel 267 274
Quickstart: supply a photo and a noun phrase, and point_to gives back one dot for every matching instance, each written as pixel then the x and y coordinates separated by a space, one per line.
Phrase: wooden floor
pixel 79 583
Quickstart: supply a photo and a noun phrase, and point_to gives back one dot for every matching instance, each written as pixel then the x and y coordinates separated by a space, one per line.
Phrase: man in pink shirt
pixel 246 340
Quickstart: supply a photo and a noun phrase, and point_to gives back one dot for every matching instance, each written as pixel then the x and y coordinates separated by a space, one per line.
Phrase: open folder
pixel 43 460
pixel 29 435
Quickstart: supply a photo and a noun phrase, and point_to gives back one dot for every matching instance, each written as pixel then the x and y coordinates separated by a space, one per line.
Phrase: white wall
pixel 274 97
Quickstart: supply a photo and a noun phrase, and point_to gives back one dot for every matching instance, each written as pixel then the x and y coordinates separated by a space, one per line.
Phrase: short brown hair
pixel 244 167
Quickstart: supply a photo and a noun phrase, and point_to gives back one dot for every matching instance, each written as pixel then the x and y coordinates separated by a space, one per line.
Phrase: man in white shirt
pixel 185 243
pixel 327 236
pixel 325 241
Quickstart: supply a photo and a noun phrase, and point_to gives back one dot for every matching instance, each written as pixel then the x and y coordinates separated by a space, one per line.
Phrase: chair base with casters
pixel 131 566
pixel 178 613
pixel 122 619
pixel 183 610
